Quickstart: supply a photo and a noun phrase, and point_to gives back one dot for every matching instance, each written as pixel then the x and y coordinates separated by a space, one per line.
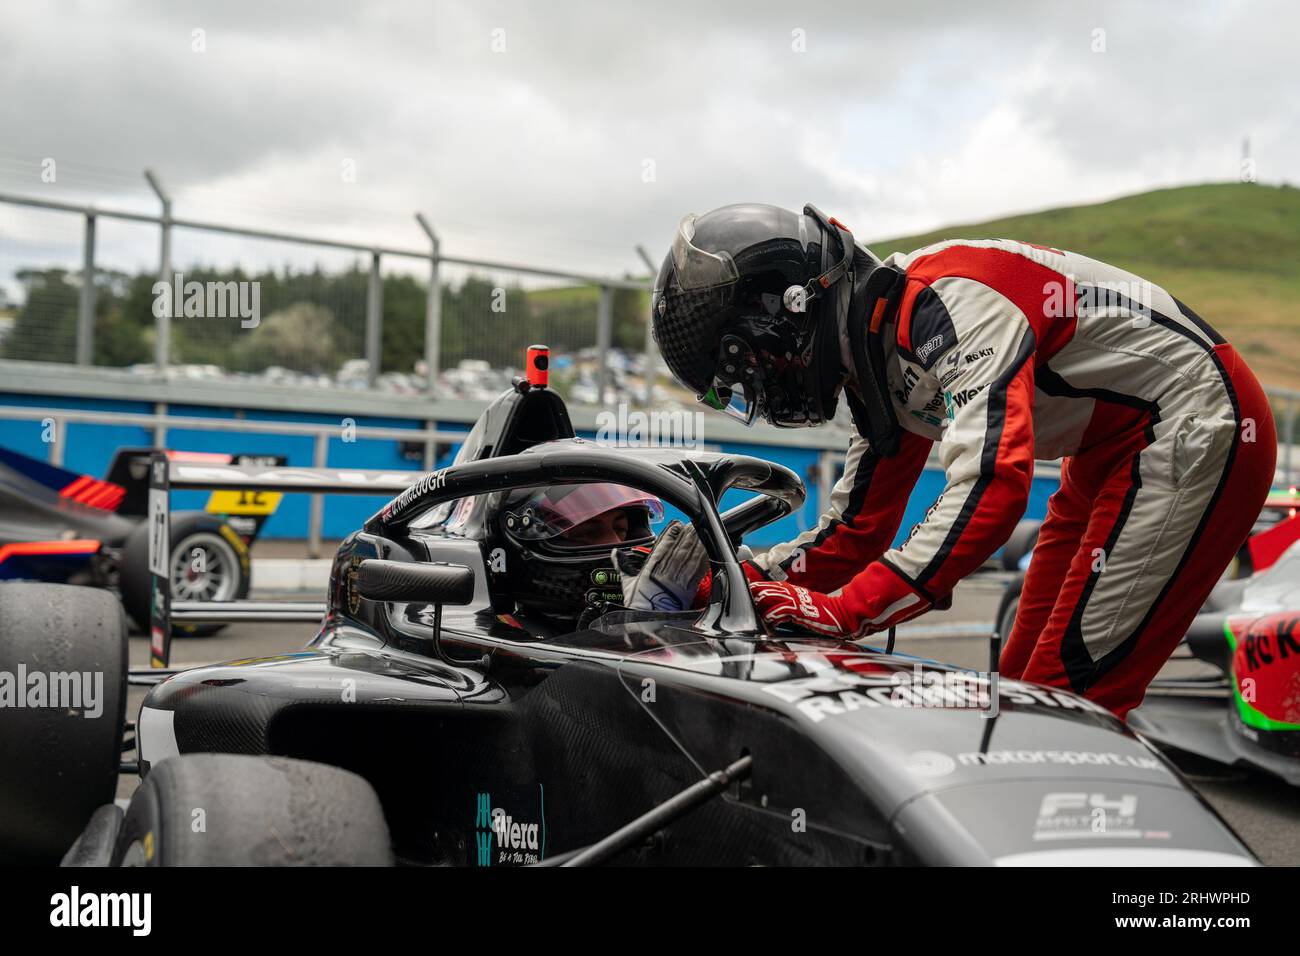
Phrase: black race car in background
pixel 63 527
pixel 427 723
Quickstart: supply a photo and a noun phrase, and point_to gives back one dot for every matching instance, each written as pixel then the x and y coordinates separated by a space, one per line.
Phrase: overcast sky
pixel 566 133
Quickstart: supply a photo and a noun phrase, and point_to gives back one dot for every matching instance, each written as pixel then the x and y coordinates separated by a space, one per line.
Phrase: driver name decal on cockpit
pixel 433 481
pixel 354 596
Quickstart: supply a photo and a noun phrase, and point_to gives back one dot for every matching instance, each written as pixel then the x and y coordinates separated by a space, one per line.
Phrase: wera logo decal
pixel 483 830
pixel 506 836
pixel 955 400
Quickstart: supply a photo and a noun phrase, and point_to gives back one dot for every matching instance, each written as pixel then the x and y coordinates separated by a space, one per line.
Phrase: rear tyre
pixel 1008 606
pixel 59 756
pixel 1020 543
pixel 199 540
pixel 235 810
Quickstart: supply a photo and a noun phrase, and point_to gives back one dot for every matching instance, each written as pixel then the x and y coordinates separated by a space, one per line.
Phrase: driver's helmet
pixel 559 540
pixel 746 309
pixel 1266 679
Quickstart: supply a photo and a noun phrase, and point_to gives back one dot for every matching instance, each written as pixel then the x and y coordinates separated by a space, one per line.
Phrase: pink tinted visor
pixel 549 512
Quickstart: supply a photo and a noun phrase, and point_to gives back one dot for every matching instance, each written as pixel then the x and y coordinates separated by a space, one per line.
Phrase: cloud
pixel 901 117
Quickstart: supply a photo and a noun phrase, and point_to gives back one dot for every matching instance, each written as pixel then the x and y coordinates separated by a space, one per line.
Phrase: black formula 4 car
pixel 63 527
pixel 423 725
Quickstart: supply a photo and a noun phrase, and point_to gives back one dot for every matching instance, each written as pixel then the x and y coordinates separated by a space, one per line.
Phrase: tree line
pixel 312 321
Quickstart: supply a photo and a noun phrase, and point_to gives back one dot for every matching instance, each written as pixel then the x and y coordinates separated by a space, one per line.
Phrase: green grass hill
pixel 1231 251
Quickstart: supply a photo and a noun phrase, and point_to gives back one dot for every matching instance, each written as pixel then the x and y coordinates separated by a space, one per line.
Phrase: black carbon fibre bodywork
pixel 497 743
pixel 615 719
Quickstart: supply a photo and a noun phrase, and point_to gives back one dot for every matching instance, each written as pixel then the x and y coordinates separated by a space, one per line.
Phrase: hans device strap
pixel 817 285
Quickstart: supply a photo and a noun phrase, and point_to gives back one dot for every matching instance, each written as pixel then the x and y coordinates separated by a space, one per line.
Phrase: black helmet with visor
pixel 745 311
pixel 556 564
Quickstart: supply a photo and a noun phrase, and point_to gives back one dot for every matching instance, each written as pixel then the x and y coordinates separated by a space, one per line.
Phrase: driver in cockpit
pixel 560 544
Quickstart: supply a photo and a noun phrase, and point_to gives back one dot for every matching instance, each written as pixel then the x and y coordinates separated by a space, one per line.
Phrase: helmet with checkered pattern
pixel 744 311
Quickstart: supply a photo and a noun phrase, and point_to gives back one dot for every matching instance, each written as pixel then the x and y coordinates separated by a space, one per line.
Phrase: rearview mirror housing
pixel 410 582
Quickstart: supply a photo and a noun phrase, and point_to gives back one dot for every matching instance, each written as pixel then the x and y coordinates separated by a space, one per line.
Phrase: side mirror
pixel 429 583
pixel 409 582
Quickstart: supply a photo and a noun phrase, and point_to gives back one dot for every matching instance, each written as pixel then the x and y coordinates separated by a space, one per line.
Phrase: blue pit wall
pixel 88 448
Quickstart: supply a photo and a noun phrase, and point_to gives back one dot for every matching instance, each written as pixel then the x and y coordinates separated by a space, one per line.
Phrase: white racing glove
pixel 671 574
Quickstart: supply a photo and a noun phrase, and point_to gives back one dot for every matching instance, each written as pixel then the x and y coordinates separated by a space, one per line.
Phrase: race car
pixel 436 719
pixel 1241 707
pixel 1276 529
pixel 1246 711
pixel 60 526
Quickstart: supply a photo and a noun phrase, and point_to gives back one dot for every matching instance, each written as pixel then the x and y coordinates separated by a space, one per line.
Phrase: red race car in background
pixel 1243 709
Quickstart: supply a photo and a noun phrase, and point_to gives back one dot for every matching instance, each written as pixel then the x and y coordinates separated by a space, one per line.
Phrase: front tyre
pixel 1008 606
pixel 1021 542
pixel 61 751
pixel 236 810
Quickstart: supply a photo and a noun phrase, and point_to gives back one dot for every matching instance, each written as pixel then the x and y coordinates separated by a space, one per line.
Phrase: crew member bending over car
pixel 1003 353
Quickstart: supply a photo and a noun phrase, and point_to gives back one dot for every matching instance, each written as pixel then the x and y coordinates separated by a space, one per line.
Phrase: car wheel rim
pixel 204 569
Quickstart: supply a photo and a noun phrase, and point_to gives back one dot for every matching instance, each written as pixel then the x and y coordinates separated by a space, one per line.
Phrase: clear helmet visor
pixel 554 514
pixel 735 400
pixel 696 269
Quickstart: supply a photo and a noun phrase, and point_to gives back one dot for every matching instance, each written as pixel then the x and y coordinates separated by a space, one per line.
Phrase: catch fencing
pixel 358 315
pixel 342 323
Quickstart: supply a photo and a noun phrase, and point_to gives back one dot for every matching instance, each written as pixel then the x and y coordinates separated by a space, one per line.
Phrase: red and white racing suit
pixel 1006 353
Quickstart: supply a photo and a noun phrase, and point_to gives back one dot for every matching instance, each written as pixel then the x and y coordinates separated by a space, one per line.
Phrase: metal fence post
pixel 163 327
pixel 430 446
pixel 604 336
pixel 86 307
pixel 316 520
pixel 160 425
pixel 432 311
pixel 374 319
pixel 55 457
